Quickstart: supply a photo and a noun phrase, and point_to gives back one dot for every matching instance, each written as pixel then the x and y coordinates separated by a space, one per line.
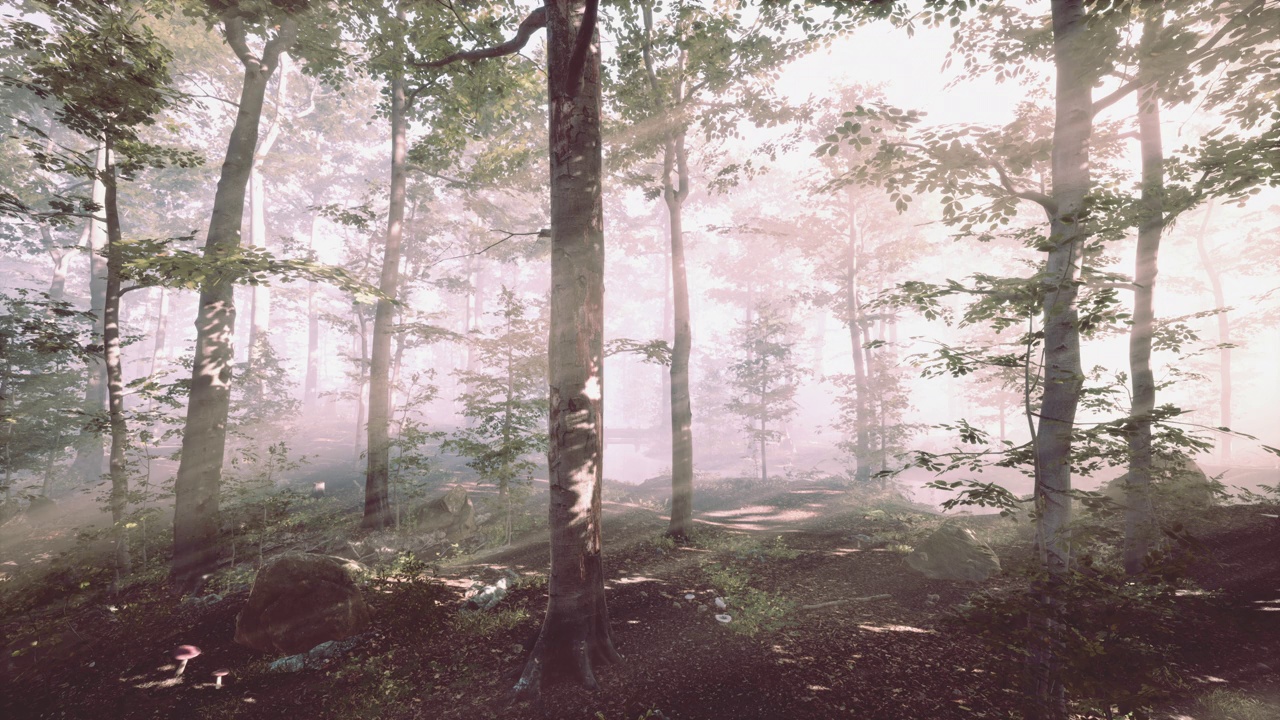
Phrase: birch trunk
pixel 853 317
pixel 198 484
pixel 575 634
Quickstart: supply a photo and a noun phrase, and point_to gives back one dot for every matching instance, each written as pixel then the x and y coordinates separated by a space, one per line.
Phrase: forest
pixel 935 377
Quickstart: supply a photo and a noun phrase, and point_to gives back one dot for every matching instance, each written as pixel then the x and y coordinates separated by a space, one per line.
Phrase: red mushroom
pixel 219 674
pixel 184 653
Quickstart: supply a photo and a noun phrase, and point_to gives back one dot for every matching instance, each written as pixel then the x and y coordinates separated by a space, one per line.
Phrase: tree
pixel 195 522
pixel 765 378
pixel 665 69
pixel 506 399
pixel 110 79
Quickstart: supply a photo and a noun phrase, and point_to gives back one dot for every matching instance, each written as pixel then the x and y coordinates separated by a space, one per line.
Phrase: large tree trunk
pixel 119 472
pixel 1224 336
pixel 1063 377
pixel 681 405
pixel 1139 516
pixel 575 634
pixel 87 466
pixel 377 506
pixel 196 489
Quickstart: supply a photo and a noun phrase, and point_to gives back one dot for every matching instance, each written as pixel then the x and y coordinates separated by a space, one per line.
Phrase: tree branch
pixel 1195 56
pixel 578 60
pixel 535 21
pixel 1050 206
pixel 540 233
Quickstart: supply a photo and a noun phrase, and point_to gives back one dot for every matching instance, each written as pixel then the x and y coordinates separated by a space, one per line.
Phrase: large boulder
pixel 1177 485
pixel 299 601
pixel 953 552
pixel 452 513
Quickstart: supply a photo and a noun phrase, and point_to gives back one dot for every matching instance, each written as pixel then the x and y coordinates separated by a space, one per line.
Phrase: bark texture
pixel 675 191
pixel 1063 377
pixel 87 466
pixel 196 489
pixel 575 635
pixel 112 360
pixel 1139 516
pixel 377 504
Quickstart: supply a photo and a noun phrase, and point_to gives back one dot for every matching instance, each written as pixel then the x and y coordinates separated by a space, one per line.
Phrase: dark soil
pixel 836 648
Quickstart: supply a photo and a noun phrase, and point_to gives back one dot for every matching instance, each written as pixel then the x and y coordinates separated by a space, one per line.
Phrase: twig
pixel 841 601
pixel 540 233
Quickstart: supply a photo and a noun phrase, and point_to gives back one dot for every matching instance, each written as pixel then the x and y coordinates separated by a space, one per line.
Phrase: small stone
pixel 721 604
pixel 724 618
pixel 689 596
pixel 677 604
pixel 702 608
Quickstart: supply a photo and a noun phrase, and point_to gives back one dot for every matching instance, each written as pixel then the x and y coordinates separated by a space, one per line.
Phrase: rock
pixel 488 596
pixel 721 604
pixel 1177 483
pixel 299 601
pixel 953 552
pixel 451 513
pixel 316 657
pixel 41 508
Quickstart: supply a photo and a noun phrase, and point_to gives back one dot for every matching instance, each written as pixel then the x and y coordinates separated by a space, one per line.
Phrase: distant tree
pixel 765 378
pixel 43 345
pixel 506 399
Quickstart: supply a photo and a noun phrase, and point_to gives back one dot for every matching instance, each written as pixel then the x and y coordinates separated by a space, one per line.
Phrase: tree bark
pixel 1224 336
pixel 61 257
pixel 158 350
pixel 575 634
pixel 676 158
pixel 377 506
pixel 1139 516
pixel 1063 376
pixel 311 386
pixel 111 356
pixel 87 467
pixel 197 487
pixel 853 317
pixel 260 312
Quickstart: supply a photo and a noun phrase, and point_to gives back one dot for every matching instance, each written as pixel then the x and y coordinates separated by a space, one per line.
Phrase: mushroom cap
pixel 221 672
pixel 186 652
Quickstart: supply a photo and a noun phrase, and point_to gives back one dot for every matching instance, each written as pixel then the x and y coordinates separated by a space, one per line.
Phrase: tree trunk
pixel 61 257
pixel 377 508
pixel 853 317
pixel 764 458
pixel 158 350
pixel 575 634
pixel 681 405
pixel 259 295
pixel 260 312
pixel 1062 372
pixel 311 386
pixel 115 371
pixel 1224 336
pixel 87 467
pixel 196 489
pixel 1139 516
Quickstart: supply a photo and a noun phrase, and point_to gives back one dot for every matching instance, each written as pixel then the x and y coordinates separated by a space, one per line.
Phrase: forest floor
pixel 828 622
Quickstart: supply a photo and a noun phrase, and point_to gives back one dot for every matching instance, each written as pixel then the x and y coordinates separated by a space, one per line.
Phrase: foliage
pixel 43 345
pixel 764 375
pixel 1120 641
pixel 754 611
pixel 507 398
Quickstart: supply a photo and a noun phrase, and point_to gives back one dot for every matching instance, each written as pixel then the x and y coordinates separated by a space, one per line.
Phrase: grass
pixel 1233 705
